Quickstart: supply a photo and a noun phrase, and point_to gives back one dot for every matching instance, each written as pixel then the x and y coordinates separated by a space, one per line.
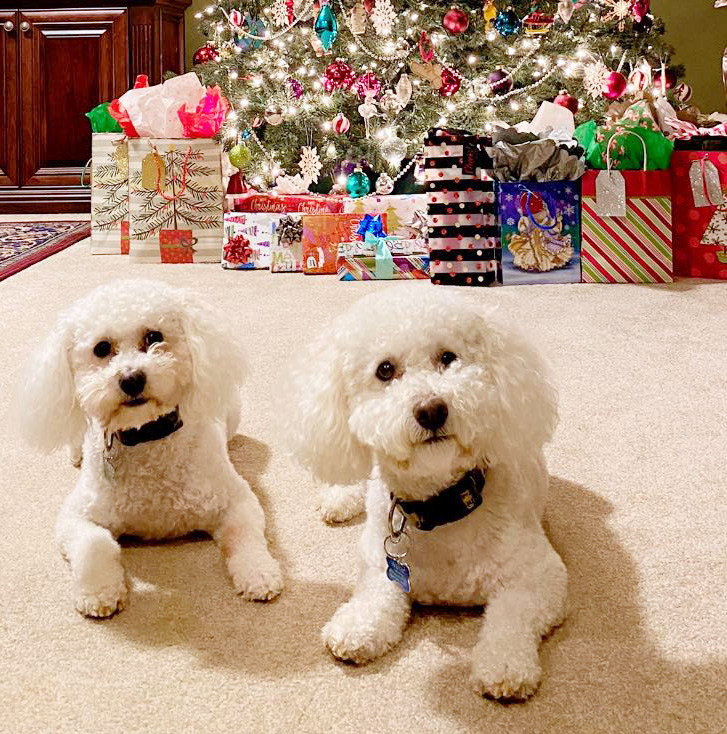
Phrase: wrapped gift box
pixel 403 267
pixel 250 236
pixel 321 236
pixel 285 203
pixel 286 250
pixel 541 232
pixel 636 247
pixel 700 231
pixel 464 236
pixel 405 213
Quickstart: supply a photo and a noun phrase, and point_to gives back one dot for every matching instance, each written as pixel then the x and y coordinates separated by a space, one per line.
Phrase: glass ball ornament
pixel 507 22
pixel 394 150
pixel 614 85
pixel 670 79
pixel 566 100
pixel 645 24
pixel 206 53
pixel 450 83
pixel 239 156
pixel 368 83
pixel 295 88
pixel 338 75
pixel 455 21
pixel 369 6
pixel 273 114
pixel 500 81
pixel 358 184
pixel 384 184
pixel 683 92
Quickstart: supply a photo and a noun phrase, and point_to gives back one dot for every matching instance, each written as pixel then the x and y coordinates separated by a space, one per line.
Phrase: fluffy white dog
pixel 146 379
pixel 447 410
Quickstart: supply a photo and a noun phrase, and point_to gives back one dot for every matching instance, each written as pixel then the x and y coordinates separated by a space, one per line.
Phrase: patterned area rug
pixel 25 243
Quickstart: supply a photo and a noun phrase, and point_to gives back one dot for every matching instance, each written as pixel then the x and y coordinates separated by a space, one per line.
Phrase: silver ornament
pixel 384 184
pixel 394 149
pixel 274 114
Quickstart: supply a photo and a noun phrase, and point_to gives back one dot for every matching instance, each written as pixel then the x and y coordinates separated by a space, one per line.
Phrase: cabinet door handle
pixel 25 26
pixel 8 25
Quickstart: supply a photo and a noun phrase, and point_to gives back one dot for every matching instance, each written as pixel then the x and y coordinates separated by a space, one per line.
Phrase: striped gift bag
pixel 109 194
pixel 464 236
pixel 636 248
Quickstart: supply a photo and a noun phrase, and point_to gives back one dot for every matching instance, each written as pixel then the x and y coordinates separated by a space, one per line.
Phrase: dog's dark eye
pixel 102 349
pixel 446 358
pixel 385 371
pixel 152 337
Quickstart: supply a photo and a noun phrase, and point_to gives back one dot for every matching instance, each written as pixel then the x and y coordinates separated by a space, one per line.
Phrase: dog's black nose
pixel 132 383
pixel 431 415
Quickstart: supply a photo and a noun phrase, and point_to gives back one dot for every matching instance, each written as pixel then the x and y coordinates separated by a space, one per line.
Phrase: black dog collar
pixel 451 504
pixel 162 427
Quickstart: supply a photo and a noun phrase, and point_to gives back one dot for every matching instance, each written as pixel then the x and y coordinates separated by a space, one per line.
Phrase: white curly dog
pixel 145 379
pixel 446 408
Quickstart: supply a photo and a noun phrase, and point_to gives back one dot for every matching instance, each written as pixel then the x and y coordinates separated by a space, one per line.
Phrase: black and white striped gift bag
pixel 464 234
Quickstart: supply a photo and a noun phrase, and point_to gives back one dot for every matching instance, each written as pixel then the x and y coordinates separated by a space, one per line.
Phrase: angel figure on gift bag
pixel 539 245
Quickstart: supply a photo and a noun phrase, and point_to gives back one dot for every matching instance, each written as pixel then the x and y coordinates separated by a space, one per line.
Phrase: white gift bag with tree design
pixel 109 194
pixel 175 190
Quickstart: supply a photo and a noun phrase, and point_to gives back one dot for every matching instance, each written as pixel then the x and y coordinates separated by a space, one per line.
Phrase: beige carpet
pixel 637 510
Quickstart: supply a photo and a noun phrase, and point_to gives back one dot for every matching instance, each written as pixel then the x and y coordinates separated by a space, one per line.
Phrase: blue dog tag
pixel 398 573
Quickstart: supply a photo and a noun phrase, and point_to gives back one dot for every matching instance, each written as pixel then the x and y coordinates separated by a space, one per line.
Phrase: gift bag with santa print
pixel 541 232
pixel 175 188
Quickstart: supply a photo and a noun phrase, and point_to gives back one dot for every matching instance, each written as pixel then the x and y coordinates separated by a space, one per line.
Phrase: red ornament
pixel 640 9
pixel 291 15
pixel 368 83
pixel 206 53
pixel 639 80
pixel 426 47
pixel 566 100
pixel 614 85
pixel 238 250
pixel 670 79
pixel 683 92
pixel 340 124
pixel 455 21
pixel 369 6
pixel 338 75
pixel 500 81
pixel 450 83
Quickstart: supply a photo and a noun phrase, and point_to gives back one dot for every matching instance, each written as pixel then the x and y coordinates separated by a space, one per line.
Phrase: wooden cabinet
pixel 58 63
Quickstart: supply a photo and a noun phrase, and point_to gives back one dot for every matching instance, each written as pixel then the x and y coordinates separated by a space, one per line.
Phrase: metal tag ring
pixel 401 539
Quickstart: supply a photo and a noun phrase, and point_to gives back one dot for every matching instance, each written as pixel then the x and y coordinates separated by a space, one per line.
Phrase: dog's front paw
pixel 256 579
pixel 102 600
pixel 506 675
pixel 353 636
pixel 341 503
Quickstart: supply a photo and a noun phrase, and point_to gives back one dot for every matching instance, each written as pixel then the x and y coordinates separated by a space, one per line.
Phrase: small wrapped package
pixel 255 201
pixel 627 226
pixel 464 237
pixel 406 214
pixel 699 190
pixel 109 194
pixel 541 237
pixel 286 251
pixel 322 233
pixel 247 241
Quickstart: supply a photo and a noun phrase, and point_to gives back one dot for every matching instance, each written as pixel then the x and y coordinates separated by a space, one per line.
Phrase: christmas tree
pixel 314 84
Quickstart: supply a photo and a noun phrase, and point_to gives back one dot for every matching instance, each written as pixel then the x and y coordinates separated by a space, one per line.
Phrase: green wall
pixel 695 28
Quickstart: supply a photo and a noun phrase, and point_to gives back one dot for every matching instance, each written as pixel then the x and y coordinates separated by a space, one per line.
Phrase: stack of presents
pixel 638 199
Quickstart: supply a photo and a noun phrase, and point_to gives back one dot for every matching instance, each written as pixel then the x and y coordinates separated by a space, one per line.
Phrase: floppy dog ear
pixel 316 413
pixel 44 409
pixel 218 360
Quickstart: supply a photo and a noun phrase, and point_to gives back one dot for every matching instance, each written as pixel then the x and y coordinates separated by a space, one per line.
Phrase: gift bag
pixel 406 214
pixel 175 188
pixel 699 225
pixel 541 237
pixel 627 225
pixel 286 250
pixel 464 237
pixel 109 194
pixel 247 241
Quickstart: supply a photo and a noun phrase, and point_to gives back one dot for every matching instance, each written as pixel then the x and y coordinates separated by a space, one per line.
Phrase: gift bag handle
pixel 181 191
pixel 87 167
pixel 532 218
pixel 613 137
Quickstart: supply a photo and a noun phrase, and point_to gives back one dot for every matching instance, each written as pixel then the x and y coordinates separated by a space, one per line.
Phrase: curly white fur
pixel 160 489
pixel 502 409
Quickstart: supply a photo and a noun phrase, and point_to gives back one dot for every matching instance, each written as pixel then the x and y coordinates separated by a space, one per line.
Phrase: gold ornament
pixel 273 114
pixel 489 12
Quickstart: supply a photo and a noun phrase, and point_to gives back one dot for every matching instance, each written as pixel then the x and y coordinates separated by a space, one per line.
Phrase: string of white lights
pixel 302 18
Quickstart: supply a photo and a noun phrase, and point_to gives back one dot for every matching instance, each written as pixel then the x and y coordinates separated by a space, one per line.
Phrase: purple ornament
pixel 500 81
pixel 368 83
pixel 295 87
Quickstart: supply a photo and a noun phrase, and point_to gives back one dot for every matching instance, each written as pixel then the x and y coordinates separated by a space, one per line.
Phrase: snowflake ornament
pixel 619 10
pixel 383 17
pixel 310 164
pixel 279 13
pixel 594 76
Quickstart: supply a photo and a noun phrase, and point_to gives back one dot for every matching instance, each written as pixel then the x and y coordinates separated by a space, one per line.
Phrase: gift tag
pixel 398 572
pixel 121 158
pixel 153 170
pixel 706 188
pixel 610 194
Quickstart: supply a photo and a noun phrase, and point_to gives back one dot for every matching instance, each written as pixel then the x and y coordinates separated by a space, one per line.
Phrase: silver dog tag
pixel 109 470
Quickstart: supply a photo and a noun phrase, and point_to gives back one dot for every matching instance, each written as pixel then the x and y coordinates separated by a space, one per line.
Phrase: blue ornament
pixel 507 22
pixel 246 133
pixel 326 27
pixel 253 26
pixel 358 184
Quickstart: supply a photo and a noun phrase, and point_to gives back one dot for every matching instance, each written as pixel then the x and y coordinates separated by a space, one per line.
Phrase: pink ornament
pixel 639 80
pixel 338 75
pixel 236 18
pixel 290 7
pixel 206 53
pixel 450 83
pixel 455 21
pixel 340 124
pixel 368 83
pixel 683 92
pixel 670 79
pixel 614 85
pixel 566 100
pixel 369 6
pixel 639 9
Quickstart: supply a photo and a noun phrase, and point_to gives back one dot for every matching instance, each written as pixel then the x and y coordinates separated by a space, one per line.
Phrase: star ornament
pixel 310 164
pixel 619 10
